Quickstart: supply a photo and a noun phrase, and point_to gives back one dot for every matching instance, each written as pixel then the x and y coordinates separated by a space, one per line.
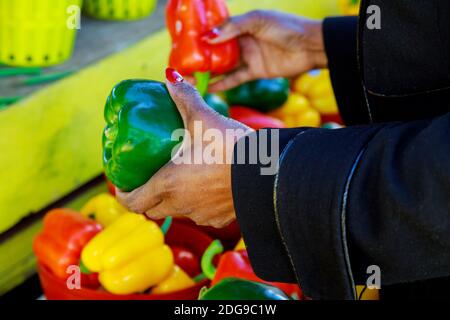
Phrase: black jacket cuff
pixel 310 188
pixel 253 202
pixel 340 38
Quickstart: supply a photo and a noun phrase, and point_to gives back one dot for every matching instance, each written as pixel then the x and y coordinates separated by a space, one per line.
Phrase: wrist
pixel 315 44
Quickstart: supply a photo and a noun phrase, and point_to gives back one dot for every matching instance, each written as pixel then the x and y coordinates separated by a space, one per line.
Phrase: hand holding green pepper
pixel 201 192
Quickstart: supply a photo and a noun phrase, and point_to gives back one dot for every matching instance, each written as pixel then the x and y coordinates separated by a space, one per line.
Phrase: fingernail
pixel 211 34
pixel 173 76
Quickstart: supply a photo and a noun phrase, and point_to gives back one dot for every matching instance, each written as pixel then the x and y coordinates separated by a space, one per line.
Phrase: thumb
pixel 189 102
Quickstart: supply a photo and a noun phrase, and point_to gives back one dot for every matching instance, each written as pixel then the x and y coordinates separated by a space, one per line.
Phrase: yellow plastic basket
pixel 36 32
pixel 119 9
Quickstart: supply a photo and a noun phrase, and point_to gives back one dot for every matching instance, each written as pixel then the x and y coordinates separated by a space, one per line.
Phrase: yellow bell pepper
pixel 240 245
pixel 103 208
pixel 349 7
pixel 317 88
pixel 297 112
pixel 129 255
pixel 364 293
pixel 177 280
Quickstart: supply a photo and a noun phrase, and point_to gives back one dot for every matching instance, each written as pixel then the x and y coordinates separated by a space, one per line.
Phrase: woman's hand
pixel 273 45
pixel 198 191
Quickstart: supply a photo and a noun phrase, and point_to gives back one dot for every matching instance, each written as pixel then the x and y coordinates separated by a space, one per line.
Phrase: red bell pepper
pixel 59 245
pixel 254 119
pixel 186 260
pixel 236 264
pixel 188 22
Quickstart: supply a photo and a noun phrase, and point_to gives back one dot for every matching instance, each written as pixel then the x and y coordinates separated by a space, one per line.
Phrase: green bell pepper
pixel 264 94
pixel 217 103
pixel 140 117
pixel 240 289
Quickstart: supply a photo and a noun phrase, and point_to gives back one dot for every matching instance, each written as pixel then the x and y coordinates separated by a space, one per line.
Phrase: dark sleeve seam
pixel 344 220
pixel 277 218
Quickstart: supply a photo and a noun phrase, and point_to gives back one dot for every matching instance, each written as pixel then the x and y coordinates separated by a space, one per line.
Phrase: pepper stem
pixel 208 268
pixel 202 79
pixel 83 268
pixel 199 278
pixel 166 225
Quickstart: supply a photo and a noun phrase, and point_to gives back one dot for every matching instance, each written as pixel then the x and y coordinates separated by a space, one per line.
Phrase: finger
pixel 121 196
pixel 161 211
pixel 145 197
pixel 248 23
pixel 186 97
pixel 191 80
pixel 232 80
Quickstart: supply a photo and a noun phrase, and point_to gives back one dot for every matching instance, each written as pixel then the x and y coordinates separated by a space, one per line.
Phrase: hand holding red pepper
pixel 272 45
pixel 188 22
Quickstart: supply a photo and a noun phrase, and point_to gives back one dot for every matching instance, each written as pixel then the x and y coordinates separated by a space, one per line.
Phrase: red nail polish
pixel 212 34
pixel 173 76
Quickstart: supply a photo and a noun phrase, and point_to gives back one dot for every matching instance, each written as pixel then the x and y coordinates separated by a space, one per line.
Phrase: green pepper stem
pixel 207 259
pixel 166 224
pixel 83 268
pixel 202 79
pixel 199 278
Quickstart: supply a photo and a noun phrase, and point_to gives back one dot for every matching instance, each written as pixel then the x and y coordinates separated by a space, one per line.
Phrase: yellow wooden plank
pixel 50 142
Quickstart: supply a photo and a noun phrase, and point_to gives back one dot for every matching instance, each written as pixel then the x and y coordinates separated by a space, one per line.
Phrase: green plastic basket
pixel 119 9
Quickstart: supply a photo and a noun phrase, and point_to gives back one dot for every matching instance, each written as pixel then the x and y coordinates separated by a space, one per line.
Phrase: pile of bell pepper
pixel 58 246
pixel 234 269
pixel 116 250
pixel 130 256
pixel 276 103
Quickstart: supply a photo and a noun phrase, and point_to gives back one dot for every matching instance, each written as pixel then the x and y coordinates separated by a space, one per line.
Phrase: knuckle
pixel 257 16
pixel 136 207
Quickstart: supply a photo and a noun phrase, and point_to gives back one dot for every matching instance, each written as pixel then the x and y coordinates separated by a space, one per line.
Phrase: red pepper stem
pixel 207 259
pixel 166 225
pixel 202 80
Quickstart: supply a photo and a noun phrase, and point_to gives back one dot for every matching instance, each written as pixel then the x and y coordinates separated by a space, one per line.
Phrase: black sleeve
pixel 346 199
pixel 340 38
pixel 253 200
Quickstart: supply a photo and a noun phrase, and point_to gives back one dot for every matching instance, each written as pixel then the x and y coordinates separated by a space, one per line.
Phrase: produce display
pixel 316 87
pixel 129 255
pixel 254 119
pixel 121 254
pixel 240 289
pixel 103 208
pixel 307 101
pixel 59 245
pixel 236 264
pixel 263 95
pixel 117 251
